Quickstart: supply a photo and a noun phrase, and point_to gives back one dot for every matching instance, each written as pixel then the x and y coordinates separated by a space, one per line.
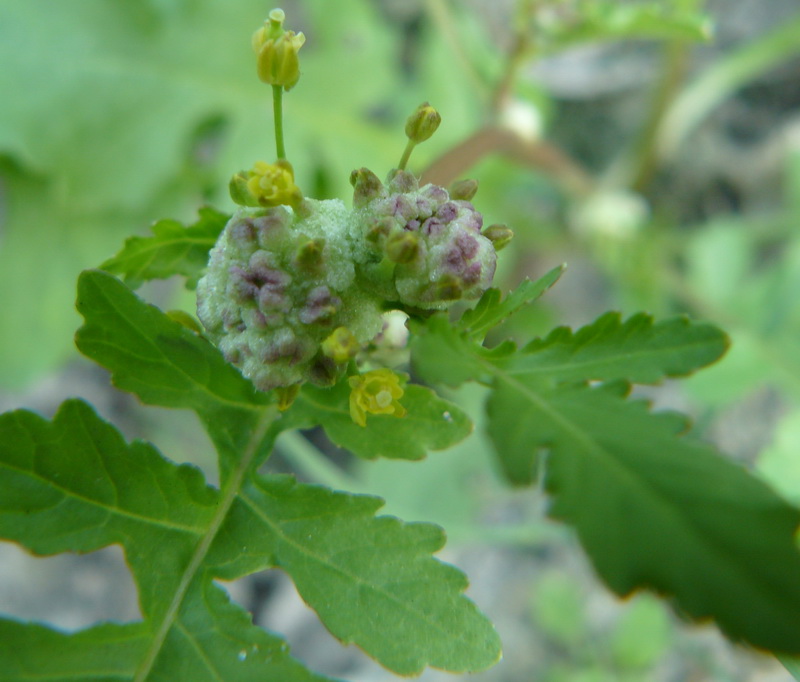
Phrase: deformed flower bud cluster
pixel 424 248
pixel 279 284
pixel 292 294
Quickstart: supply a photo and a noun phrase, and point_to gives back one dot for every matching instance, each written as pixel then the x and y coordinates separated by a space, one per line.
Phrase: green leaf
pixel 166 364
pixel 642 635
pixel 73 484
pixel 430 424
pixel 656 510
pixel 609 20
pixel 371 580
pixel 636 350
pixel 172 250
pixel 491 311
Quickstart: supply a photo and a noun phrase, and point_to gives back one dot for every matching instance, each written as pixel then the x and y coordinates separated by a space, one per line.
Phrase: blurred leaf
pixel 558 608
pixel 759 304
pixel 718 82
pixel 608 20
pixel 431 423
pixel 44 243
pixel 172 250
pixel 642 634
pixel 779 462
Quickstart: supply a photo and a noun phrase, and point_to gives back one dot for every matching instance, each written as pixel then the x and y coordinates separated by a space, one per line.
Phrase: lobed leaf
pixel 656 510
pixel 431 423
pixel 164 363
pixel 73 484
pixel 172 250
pixel 637 350
pixel 370 579
pixel 492 310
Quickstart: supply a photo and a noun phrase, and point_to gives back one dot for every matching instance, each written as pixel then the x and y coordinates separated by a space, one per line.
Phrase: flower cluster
pixel 424 248
pixel 280 297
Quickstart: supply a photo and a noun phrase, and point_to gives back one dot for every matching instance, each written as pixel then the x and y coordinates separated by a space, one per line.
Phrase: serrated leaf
pixel 163 362
pixel 371 579
pixel 491 311
pixel 637 350
pixel 431 422
pixel 174 249
pixel 73 484
pixel 442 354
pixel 656 510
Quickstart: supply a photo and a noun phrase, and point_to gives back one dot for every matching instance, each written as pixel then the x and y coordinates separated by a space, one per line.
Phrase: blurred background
pixel 652 146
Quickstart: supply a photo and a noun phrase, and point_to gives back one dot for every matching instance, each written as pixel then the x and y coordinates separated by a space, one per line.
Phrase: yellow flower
pixel 268 184
pixel 376 392
pixel 276 51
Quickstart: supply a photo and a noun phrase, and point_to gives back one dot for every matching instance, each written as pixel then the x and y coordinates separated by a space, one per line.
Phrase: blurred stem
pixel 445 24
pixel 517 56
pixel 277 113
pixel 538 154
pixel 645 154
pixel 306 458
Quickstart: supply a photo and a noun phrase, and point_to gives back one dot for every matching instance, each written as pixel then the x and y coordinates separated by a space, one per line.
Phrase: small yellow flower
pixel 376 392
pixel 268 184
pixel 276 51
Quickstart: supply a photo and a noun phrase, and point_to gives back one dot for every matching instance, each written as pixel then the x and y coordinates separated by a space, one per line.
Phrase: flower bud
pixel 366 185
pixel 276 51
pixel 499 235
pixel 286 396
pixel 402 247
pixel 341 346
pixel 463 190
pixel 310 255
pixel 422 123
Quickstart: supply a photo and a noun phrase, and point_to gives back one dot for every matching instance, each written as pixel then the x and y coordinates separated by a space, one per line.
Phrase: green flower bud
pixel 499 235
pixel 366 185
pixel 422 123
pixel 276 51
pixel 402 247
pixel 463 190
pixel 341 346
pixel 286 396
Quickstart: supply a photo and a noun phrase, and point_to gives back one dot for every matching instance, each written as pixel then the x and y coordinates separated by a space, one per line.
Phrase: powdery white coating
pixel 453 260
pixel 277 284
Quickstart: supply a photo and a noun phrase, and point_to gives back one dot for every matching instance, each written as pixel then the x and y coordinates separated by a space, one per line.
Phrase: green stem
pixel 406 155
pixel 277 113
pixel 228 497
pixel 307 459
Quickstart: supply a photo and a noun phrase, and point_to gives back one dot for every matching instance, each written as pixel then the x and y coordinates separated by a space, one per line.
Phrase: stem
pixel 277 113
pixel 646 160
pixel 228 496
pixel 406 154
